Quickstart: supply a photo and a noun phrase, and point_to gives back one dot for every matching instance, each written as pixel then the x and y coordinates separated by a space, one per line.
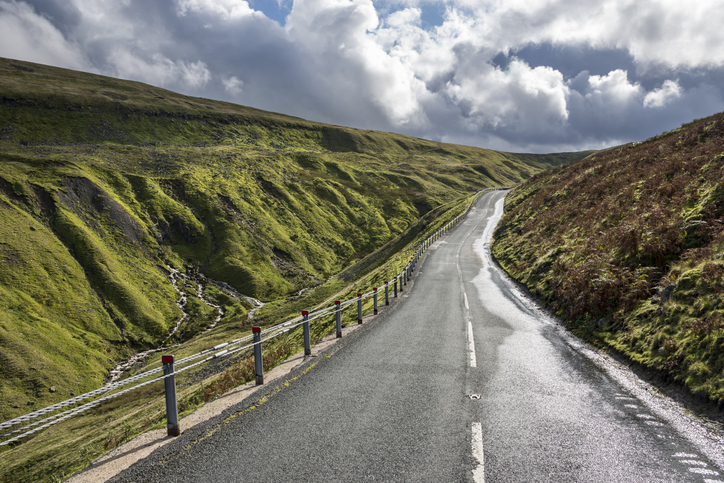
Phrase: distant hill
pixel 107 187
pixel 628 246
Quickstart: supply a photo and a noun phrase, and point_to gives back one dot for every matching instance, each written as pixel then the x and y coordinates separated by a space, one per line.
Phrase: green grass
pixel 104 183
pixel 628 246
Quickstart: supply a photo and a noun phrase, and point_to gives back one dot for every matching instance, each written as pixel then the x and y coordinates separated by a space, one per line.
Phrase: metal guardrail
pixel 253 341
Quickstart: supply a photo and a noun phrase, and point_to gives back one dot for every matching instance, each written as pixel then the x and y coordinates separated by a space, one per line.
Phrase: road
pixel 464 379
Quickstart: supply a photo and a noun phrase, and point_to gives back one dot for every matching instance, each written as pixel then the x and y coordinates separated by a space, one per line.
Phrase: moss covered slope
pixel 106 185
pixel 628 246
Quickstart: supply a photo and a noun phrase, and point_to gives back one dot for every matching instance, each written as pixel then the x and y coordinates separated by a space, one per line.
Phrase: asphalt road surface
pixel 464 379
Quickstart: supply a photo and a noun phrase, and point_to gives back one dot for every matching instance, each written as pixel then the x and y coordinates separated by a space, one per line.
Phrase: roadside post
pixel 172 426
pixel 387 293
pixel 374 297
pixel 258 361
pixel 307 339
pixel 338 314
pixel 359 308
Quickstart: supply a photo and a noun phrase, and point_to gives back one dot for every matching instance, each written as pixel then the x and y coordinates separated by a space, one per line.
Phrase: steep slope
pixel 109 187
pixel 628 246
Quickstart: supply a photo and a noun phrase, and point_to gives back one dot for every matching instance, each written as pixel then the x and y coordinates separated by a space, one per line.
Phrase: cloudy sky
pixel 517 75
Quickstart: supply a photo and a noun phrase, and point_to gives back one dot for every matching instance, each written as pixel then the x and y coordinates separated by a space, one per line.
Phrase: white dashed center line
pixel 477 443
pixel 473 360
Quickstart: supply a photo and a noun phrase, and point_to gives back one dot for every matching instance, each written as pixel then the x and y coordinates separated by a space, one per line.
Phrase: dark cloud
pixel 571 60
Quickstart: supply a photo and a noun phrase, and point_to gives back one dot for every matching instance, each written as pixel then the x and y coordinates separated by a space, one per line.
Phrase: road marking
pixel 703 471
pixel 478 454
pixel 471 340
pixel 473 360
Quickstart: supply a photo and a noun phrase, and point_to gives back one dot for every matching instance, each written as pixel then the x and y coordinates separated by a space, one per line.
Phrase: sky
pixel 516 75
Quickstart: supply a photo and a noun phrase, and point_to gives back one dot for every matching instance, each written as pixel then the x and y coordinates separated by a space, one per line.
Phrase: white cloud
pixel 227 9
pixel 405 17
pixel 613 89
pixel 528 99
pixel 336 33
pixel 159 70
pixel 233 85
pixel 26 35
pixel 668 32
pixel 669 91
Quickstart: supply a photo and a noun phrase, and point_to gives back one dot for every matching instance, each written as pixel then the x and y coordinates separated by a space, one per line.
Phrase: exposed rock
pixel 666 294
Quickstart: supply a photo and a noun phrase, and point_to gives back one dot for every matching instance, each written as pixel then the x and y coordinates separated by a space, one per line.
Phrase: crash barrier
pixel 170 367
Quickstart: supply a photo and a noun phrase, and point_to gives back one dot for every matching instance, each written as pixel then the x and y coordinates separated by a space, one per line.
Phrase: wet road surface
pixel 463 380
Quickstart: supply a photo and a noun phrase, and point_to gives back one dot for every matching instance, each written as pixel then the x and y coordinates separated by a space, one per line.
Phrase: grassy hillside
pixel 106 186
pixel 628 246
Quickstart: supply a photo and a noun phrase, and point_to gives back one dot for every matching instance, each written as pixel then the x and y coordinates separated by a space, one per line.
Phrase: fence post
pixel 172 426
pixel 375 299
pixel 395 287
pixel 258 361
pixel 359 308
pixel 387 293
pixel 307 339
pixel 339 318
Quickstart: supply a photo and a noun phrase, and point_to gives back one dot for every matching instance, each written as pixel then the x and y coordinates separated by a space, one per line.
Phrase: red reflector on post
pixel 304 312
pixel 167 359
pixel 359 295
pixel 336 302
pixel 375 289
pixel 256 329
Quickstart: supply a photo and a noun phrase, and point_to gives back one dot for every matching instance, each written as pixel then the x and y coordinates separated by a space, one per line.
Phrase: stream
pixel 174 276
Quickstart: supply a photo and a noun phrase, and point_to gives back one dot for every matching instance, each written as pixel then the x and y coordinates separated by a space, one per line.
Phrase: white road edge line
pixel 471 345
pixel 465 297
pixel 477 444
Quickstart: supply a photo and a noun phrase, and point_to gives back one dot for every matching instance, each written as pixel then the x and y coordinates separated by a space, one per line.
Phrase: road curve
pixel 463 380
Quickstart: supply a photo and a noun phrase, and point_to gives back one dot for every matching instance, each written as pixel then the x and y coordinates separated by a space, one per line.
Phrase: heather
pixel 627 246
